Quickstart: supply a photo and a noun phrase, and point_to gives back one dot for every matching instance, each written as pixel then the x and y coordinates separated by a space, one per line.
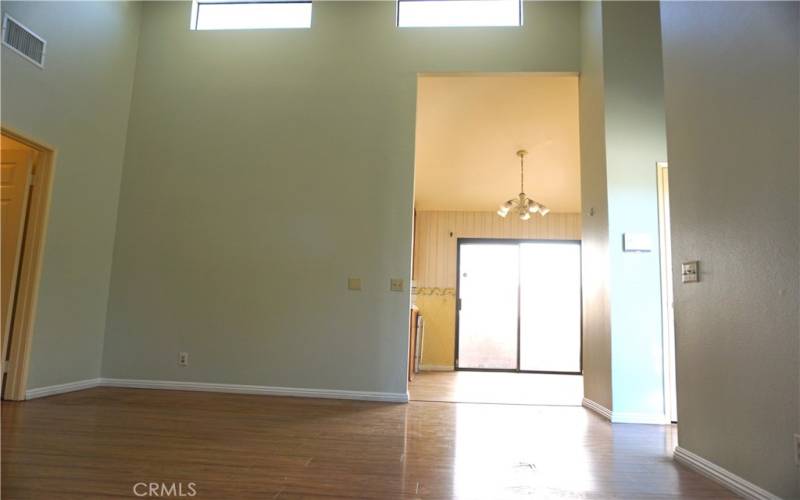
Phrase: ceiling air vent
pixel 23 41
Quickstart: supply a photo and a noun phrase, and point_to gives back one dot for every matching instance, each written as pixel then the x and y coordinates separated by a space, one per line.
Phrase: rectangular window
pixel 242 15
pixel 430 13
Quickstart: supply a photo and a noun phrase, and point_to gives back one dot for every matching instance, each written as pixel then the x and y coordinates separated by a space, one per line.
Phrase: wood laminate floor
pixel 497 387
pixel 99 443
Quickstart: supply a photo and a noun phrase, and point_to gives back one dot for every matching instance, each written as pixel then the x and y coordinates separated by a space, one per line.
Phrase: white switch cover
pixel 690 272
pixel 637 242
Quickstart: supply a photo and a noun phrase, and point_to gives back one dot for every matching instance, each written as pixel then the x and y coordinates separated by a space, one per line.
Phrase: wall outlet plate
pixel 396 285
pixel 183 358
pixel 354 283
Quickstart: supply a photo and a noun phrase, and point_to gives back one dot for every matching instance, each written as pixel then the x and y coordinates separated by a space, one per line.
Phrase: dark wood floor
pixel 99 443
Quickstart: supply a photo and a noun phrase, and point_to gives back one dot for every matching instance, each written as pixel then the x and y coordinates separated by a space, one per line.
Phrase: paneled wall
pixel 435 238
pixel 436 233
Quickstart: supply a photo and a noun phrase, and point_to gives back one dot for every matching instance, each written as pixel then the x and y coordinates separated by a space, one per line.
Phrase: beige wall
pixel 79 105
pixel 732 119
pixel 435 246
pixel 262 169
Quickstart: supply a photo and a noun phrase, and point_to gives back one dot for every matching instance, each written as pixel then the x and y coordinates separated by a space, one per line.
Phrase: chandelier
pixel 522 205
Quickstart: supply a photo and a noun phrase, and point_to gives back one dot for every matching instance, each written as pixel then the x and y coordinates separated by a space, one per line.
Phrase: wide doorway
pixel 518 306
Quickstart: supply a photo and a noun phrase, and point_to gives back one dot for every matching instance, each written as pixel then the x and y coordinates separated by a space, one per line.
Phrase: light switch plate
pixel 396 285
pixel 797 449
pixel 690 272
pixel 354 283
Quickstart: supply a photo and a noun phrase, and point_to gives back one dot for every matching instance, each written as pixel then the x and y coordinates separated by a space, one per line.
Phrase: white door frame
pixel 667 297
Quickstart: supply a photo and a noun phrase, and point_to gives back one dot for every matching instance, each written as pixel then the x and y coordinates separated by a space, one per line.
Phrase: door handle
pixel 458 304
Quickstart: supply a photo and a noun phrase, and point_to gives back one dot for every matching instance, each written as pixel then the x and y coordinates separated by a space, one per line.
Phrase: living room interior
pixel 222 222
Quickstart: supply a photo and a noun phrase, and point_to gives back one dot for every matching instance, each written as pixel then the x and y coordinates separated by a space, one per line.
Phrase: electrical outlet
pixel 396 285
pixel 797 449
pixel 354 283
pixel 183 359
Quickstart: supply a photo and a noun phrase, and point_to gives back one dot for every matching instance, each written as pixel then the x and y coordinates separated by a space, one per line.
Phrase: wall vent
pixel 23 41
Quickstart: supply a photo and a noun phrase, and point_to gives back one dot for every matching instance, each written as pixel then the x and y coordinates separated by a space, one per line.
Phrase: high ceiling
pixel 470 127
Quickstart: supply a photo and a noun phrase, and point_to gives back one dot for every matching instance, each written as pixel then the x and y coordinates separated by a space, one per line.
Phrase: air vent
pixel 23 41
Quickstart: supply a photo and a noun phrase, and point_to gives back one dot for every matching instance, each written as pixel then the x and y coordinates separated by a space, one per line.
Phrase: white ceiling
pixel 469 128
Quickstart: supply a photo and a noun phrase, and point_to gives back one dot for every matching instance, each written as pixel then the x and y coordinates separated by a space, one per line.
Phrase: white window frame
pixel 197 7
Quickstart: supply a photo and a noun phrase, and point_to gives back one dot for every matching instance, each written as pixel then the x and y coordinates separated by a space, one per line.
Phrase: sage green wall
pixel 732 120
pixel 622 137
pixel 594 221
pixel 79 105
pixel 265 167
pixel 635 141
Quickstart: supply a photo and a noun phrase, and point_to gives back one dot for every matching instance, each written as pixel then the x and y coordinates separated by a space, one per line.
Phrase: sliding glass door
pixel 488 306
pixel 550 307
pixel 519 306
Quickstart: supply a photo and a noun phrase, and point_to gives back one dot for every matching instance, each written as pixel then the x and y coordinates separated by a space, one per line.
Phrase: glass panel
pixel 487 321
pixel 429 13
pixel 243 16
pixel 550 301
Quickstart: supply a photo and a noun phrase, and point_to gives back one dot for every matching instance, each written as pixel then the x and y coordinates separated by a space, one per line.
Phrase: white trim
pixel 722 476
pixel 624 417
pixel 391 397
pixel 435 368
pixel 51 390
pixel 597 408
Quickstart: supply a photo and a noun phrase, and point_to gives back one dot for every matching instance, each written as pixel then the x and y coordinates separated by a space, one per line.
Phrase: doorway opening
pixel 26 186
pixel 519 306
pixel 483 338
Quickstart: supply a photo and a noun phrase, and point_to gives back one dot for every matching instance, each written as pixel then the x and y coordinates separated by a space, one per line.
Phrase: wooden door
pixel 15 180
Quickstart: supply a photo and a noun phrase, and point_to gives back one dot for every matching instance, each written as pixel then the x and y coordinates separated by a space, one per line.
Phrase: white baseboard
pixel 724 477
pixel 51 390
pixel 618 417
pixel 597 408
pixel 390 397
pixel 436 368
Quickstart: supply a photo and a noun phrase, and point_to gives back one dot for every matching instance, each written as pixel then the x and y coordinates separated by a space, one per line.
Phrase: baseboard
pixel 436 368
pixel 724 477
pixel 617 417
pixel 597 408
pixel 51 390
pixel 390 397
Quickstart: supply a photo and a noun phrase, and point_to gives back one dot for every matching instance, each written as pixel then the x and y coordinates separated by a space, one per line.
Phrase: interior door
pixel 15 178
pixel 488 296
pixel 550 306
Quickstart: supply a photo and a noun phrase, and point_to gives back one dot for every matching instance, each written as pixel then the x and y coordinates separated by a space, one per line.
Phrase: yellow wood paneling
pixel 437 233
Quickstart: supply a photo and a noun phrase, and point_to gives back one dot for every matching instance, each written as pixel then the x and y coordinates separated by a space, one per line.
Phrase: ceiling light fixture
pixel 522 205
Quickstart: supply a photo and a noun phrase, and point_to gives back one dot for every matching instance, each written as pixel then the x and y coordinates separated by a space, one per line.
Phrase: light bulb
pixel 525 215
pixel 534 207
pixel 543 210
pixel 502 212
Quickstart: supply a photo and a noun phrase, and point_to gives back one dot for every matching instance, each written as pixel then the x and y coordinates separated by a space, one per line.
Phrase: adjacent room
pixel 474 249
pixel 496 289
